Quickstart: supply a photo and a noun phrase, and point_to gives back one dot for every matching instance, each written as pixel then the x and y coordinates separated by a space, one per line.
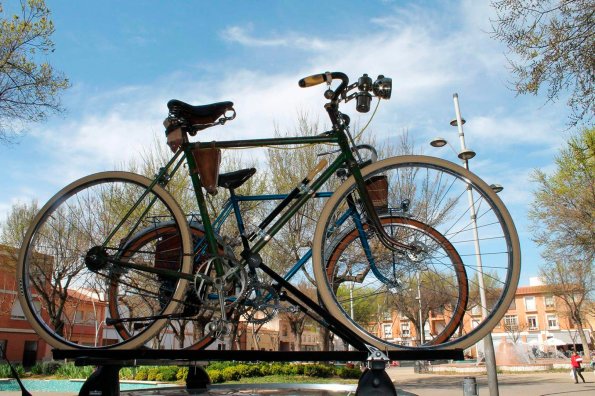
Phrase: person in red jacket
pixel 575 362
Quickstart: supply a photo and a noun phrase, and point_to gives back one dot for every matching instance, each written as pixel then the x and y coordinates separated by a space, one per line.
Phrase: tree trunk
pixel 586 350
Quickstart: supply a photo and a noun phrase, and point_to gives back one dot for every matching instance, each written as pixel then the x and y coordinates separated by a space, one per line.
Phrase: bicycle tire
pixel 436 191
pixel 56 257
pixel 410 230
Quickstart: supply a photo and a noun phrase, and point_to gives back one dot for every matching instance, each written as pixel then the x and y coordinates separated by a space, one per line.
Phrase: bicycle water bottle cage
pixel 197 118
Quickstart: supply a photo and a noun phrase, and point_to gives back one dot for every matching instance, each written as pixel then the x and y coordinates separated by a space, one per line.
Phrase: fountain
pixel 510 354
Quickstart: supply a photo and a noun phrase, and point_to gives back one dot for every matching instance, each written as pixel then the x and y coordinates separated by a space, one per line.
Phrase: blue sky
pixel 125 60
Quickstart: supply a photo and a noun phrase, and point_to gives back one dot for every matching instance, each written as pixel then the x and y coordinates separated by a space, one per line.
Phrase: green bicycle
pixel 120 240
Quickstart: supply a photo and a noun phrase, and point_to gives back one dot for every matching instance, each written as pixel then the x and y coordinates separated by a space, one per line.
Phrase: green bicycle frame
pixel 332 137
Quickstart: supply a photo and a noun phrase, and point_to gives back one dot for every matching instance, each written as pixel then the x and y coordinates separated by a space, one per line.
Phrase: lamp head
pixel 454 122
pixel 496 188
pixel 438 142
pixel 466 155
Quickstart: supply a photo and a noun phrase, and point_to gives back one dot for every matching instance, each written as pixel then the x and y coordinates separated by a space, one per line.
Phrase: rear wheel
pixel 72 257
pixel 359 261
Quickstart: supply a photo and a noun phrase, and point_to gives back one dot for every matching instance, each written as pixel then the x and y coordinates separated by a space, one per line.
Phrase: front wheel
pixel 464 246
pixel 72 259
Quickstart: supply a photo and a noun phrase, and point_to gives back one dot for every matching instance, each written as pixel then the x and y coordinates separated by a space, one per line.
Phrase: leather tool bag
pixel 208 161
pixel 377 187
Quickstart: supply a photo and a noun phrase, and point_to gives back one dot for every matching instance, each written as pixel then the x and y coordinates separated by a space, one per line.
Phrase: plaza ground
pixel 409 383
pixel 533 384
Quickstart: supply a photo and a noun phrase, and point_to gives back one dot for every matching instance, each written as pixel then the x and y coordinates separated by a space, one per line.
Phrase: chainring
pixel 233 284
pixel 261 303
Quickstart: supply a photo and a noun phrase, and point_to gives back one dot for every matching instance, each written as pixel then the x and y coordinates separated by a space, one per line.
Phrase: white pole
pixel 421 322
pixel 351 305
pixel 488 345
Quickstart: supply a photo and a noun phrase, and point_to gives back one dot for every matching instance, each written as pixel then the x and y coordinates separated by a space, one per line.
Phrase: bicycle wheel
pixel 71 257
pixel 359 258
pixel 160 242
pixel 458 211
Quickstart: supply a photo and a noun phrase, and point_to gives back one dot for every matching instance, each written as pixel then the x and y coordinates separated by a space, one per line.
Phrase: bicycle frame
pixel 345 158
pixel 232 205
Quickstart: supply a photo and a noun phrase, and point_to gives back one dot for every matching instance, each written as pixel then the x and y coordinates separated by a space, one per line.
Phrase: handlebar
pixel 366 88
pixel 327 77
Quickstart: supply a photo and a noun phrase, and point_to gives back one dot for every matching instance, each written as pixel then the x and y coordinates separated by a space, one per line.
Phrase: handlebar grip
pixel 312 80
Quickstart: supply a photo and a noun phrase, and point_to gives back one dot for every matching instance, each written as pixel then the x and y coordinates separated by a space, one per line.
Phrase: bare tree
pixel 514 331
pixel 572 282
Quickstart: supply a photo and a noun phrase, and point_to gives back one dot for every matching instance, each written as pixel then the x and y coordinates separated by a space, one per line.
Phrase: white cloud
pixel 243 36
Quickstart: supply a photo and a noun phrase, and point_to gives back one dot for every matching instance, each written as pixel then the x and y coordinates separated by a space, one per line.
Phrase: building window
pixel 78 317
pixel 17 311
pixel 474 323
pixel 549 301
pixel 512 304
pixel 387 315
pixel 552 322
pixel 405 330
pixel 3 346
pixel 532 322
pixel 530 303
pixel 476 310
pixel 511 322
pixel 388 331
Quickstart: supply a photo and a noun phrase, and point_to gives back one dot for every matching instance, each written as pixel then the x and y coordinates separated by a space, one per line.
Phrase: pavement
pixel 409 383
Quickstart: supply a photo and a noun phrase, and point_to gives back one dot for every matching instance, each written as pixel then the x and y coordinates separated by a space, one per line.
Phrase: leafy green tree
pixel 563 209
pixel 563 225
pixel 29 88
pixel 552 46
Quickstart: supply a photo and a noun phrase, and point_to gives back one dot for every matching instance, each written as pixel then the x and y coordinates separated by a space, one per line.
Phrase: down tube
pixel 301 200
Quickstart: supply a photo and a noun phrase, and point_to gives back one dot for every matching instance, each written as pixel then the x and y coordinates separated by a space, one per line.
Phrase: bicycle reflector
pixel 382 87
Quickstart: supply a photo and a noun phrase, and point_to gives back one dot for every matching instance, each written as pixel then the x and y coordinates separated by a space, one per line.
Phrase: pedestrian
pixel 575 362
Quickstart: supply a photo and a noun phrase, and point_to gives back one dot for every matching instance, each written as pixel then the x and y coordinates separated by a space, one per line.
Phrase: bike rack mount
pixel 374 379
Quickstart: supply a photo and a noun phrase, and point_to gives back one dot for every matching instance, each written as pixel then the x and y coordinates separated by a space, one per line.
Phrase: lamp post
pixel 465 155
pixel 421 322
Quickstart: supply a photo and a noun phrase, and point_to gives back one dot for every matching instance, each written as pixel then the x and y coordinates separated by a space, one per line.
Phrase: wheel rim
pixel 71 294
pixel 406 229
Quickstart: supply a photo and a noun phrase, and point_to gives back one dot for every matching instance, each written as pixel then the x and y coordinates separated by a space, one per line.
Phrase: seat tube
pixel 202 207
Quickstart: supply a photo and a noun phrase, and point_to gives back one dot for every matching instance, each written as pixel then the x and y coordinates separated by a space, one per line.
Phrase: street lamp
pixel 465 155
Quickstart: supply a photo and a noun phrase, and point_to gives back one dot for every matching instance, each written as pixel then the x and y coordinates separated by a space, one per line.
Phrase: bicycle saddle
pixel 205 114
pixel 233 180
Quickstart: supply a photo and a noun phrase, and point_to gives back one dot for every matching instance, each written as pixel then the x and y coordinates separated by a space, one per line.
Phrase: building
pixel 83 315
pixel 539 319
pixel 536 318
